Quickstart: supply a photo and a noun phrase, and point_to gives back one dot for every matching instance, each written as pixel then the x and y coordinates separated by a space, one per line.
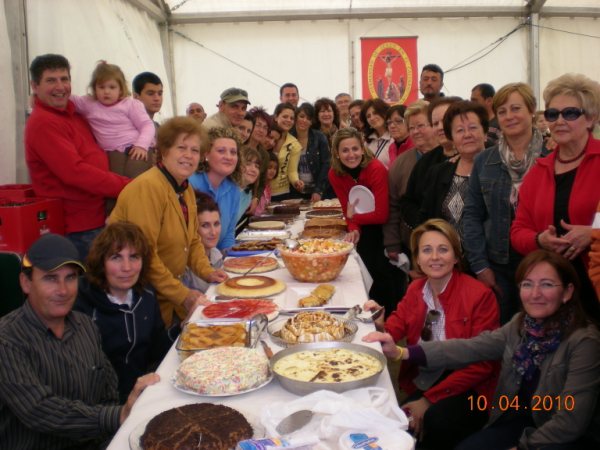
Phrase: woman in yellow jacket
pixel 162 203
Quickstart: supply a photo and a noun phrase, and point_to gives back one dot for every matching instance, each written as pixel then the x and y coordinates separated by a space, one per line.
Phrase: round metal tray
pixel 307 387
pixel 274 327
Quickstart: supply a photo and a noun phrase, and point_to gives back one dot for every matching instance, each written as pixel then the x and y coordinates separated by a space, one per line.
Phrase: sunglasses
pixel 570 114
pixel 433 317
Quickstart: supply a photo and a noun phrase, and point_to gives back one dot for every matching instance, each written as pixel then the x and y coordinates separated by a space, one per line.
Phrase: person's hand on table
pixel 138 154
pixel 142 383
pixel 352 236
pixel 218 276
pixel 388 345
pixel 315 197
pixel 579 237
pixel 416 411
pixel 549 240
pixel 193 300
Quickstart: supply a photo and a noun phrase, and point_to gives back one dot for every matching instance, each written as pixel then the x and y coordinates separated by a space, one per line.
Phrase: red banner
pixel 389 69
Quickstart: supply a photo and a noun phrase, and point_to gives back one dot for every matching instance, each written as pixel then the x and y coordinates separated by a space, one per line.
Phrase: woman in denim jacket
pixel 493 194
pixel 315 156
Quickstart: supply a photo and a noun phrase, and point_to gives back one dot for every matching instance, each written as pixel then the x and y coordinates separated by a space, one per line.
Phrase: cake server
pixel 294 421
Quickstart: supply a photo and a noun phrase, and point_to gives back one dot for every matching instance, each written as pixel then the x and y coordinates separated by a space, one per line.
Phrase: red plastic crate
pixel 16 192
pixel 22 222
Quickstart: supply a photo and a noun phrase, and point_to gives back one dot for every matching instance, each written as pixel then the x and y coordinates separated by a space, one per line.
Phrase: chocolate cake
pixel 180 428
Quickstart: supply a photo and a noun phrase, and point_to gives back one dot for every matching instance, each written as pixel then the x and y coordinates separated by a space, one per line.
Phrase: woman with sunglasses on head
pixel 493 194
pixel 444 304
pixel 558 197
pixel 548 386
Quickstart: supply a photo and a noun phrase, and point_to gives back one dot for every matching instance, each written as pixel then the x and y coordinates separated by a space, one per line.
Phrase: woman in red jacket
pixel 352 164
pixel 558 197
pixel 445 304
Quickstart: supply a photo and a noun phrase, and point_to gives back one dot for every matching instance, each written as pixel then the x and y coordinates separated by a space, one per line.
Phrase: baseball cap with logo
pixel 234 94
pixel 51 252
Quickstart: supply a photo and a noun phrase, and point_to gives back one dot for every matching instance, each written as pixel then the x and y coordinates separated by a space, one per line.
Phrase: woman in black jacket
pixel 315 156
pixel 115 295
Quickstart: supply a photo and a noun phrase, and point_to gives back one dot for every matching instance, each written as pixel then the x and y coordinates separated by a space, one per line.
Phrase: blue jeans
pixel 83 240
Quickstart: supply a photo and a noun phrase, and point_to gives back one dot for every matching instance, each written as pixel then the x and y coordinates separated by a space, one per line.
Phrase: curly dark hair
pixel 111 240
pixel 323 103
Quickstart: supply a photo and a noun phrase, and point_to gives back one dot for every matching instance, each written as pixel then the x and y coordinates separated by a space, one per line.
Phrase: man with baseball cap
pixel 57 388
pixel 232 109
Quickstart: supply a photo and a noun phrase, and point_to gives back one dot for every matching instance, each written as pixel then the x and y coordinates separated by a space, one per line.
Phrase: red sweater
pixel 66 163
pixel 536 198
pixel 374 177
pixel 470 308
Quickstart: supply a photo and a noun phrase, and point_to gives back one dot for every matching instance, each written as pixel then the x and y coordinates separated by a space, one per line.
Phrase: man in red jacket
pixel 63 158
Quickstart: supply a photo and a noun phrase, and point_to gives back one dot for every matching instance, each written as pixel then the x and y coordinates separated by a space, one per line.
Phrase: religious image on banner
pixel 389 69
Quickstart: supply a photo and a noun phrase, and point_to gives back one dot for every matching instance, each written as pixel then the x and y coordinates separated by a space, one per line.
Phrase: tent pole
pixel 17 33
pixel 534 55
pixel 166 38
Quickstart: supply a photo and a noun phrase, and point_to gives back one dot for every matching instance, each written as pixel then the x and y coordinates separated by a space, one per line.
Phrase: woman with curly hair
pixel 115 293
pixel 327 118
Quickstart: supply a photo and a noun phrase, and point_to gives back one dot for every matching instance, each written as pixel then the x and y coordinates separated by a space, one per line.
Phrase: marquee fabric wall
pixel 323 58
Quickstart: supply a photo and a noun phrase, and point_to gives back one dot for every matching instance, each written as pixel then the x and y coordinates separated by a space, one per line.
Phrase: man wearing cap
pixel 232 109
pixel 57 388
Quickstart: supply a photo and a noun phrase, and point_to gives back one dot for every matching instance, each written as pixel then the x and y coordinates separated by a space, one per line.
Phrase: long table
pixel 350 290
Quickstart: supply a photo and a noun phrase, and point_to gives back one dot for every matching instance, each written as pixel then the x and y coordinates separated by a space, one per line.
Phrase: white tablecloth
pixel 162 396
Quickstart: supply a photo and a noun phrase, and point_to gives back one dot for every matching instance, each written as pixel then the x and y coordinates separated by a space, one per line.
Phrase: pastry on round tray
pixel 251 286
pixel 267 225
pixel 258 264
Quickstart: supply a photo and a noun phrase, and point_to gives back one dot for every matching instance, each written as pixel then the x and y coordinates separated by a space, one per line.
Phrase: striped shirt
pixel 54 393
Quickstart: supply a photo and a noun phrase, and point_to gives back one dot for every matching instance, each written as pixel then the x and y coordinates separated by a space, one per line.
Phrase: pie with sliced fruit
pixel 243 264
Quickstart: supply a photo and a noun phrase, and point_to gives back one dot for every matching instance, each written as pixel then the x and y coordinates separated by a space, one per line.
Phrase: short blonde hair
pixel 222 133
pixel 586 90
pixel 416 108
pixel 524 90
pixel 443 227
pixel 348 133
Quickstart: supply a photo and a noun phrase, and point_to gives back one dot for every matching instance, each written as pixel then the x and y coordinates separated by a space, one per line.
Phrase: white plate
pixel 293 294
pixel 136 433
pixel 366 199
pixel 186 391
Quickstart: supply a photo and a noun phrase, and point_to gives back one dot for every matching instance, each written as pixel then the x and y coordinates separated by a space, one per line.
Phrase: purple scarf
pixel 540 340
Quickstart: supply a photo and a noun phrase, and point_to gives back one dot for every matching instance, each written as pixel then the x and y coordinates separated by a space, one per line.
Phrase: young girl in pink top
pixel 120 123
